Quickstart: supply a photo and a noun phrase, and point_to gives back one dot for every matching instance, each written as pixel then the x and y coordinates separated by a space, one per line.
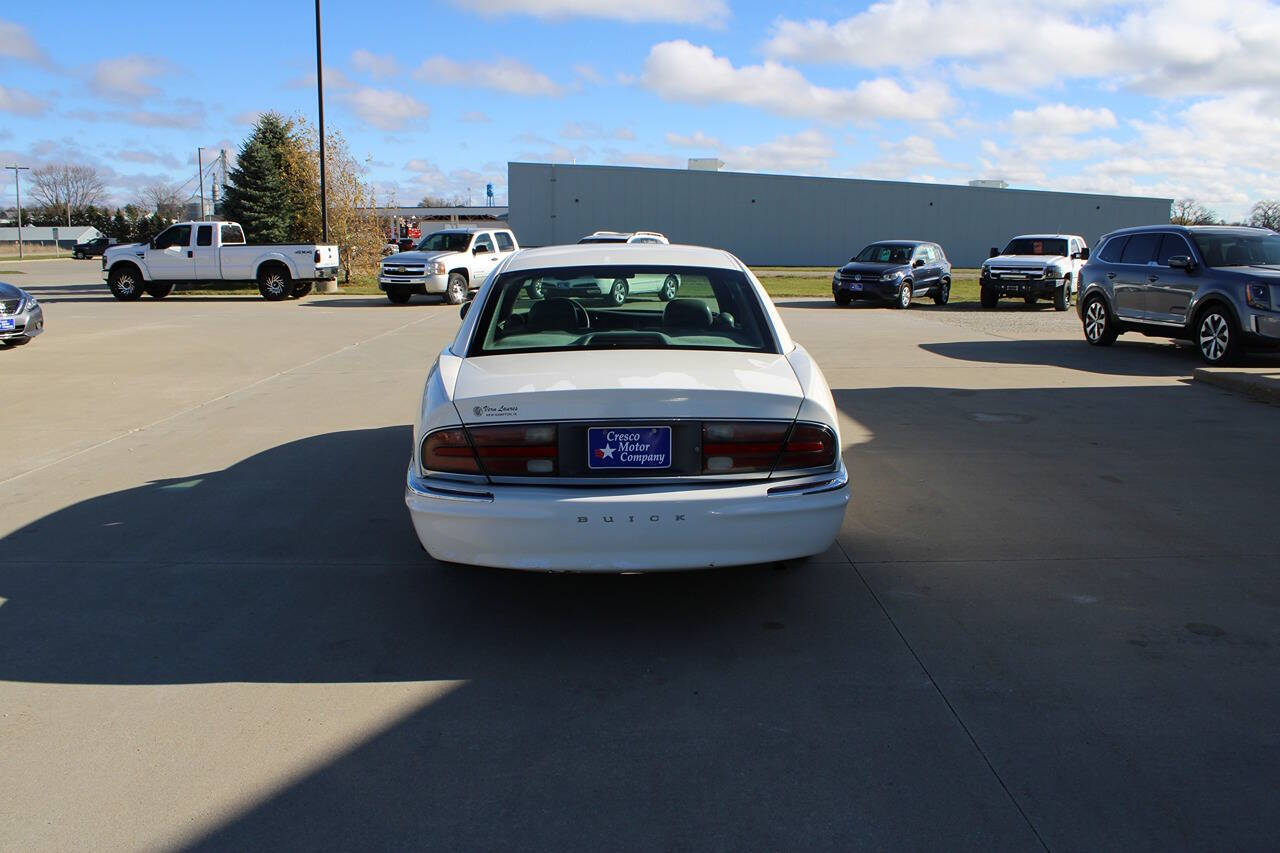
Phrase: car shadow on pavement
pixel 370 301
pixel 1137 357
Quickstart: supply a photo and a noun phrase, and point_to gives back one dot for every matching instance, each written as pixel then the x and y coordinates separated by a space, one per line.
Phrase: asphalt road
pixel 1052 619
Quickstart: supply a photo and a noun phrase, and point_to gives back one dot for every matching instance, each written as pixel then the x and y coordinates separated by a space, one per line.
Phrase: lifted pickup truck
pixel 203 252
pixel 1034 266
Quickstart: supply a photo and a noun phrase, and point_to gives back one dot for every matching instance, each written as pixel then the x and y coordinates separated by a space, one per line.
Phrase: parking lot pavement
pixel 1049 621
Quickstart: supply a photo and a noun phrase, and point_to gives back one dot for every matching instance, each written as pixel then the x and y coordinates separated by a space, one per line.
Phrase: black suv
pixel 894 271
pixel 1216 286
pixel 90 248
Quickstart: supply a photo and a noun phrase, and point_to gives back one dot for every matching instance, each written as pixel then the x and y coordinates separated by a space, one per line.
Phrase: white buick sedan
pixel 686 433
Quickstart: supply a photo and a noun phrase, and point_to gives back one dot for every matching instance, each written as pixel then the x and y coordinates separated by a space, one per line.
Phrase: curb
pixel 1262 386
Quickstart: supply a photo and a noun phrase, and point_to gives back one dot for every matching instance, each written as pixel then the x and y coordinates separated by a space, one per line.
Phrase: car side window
pixel 1171 246
pixel 204 235
pixel 1141 249
pixel 483 240
pixel 505 243
pixel 178 235
pixel 1113 249
pixel 232 234
pixel 938 254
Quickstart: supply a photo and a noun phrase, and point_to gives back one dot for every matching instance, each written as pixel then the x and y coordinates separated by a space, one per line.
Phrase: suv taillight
pixel 738 447
pixel 317 257
pixel 512 451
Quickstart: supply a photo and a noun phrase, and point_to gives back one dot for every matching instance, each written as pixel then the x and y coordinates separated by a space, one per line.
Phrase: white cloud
pixel 591 130
pixel 808 152
pixel 697 139
pixel 248 117
pixel 146 158
pixel 588 73
pixel 185 115
pixel 904 159
pixel 334 78
pixel 427 178
pixel 503 75
pixel 1162 47
pixel 681 71
pixel 20 103
pixel 1060 120
pixel 17 43
pixel 129 78
pixel 386 109
pixel 711 12
pixel 375 64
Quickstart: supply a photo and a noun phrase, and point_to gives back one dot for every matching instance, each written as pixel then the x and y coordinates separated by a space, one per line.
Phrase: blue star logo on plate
pixel 628 447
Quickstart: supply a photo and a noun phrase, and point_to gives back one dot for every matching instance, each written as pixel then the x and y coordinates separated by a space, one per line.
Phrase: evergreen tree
pixel 119 227
pixel 257 193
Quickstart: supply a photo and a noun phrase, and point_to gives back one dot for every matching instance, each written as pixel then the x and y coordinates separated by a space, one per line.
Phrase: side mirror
pixel 466 306
pixel 1182 262
pixel 995 253
pixel 479 250
pixel 919 262
pixel 1083 254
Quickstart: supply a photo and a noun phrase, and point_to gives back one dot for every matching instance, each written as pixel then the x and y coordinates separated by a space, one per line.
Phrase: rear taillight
pixel 510 451
pixel 317 257
pixel 740 447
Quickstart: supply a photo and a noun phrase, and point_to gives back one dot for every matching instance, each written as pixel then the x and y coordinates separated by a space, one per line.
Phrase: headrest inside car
pixel 556 313
pixel 686 314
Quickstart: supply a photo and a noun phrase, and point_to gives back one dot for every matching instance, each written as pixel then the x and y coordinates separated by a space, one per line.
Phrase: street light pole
pixel 17 190
pixel 324 208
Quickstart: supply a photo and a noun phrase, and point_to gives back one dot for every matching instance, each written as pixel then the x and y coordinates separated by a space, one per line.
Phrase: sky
pixel 1173 99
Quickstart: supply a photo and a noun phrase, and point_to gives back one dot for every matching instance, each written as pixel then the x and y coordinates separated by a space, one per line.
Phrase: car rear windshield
pixel 622 307
pixel 445 241
pixel 1036 246
pixel 1238 249
pixel 886 253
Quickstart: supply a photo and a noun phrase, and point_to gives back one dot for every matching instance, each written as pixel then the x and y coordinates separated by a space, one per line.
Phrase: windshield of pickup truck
pixel 445 241
pixel 886 253
pixel 621 307
pixel 1239 249
pixel 1036 246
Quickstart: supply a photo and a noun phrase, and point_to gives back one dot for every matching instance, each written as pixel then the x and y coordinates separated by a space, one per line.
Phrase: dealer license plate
pixel 628 447
pixel 7 324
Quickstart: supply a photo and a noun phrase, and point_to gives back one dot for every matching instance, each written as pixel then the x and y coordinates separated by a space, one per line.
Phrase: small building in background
pixel 42 235
pixel 990 183
pixel 706 164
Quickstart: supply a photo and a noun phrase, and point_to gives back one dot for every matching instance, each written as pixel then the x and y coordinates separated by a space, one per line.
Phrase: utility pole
pixel 324 208
pixel 17 190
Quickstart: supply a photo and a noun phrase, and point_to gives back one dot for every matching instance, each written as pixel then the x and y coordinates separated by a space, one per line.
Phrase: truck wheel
pixel 843 297
pixel 1099 326
pixel 944 292
pixel 159 290
pixel 301 289
pixel 274 283
pixel 618 293
pixel 989 297
pixel 904 296
pixel 455 293
pixel 125 283
pixel 1062 296
pixel 1030 300
pixel 670 285
pixel 398 295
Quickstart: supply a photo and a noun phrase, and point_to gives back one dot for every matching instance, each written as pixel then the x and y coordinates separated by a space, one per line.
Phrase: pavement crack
pixel 946 701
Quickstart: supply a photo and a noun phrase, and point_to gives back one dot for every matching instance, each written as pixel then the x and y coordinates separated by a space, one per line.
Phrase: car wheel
pixel 455 293
pixel 944 292
pixel 670 286
pixel 301 289
pixel 125 284
pixel 160 291
pixel 536 290
pixel 75 256
pixel 843 298
pixel 1062 296
pixel 904 296
pixel 1217 336
pixel 398 295
pixel 1099 326
pixel 618 293
pixel 988 297
pixel 274 283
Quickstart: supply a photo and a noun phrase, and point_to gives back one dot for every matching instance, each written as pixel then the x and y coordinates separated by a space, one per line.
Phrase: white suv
pixel 453 262
pixel 615 291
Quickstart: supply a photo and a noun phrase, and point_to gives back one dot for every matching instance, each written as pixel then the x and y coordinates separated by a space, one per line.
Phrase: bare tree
pixel 165 199
pixel 1188 211
pixel 440 201
pixel 1266 214
pixel 61 188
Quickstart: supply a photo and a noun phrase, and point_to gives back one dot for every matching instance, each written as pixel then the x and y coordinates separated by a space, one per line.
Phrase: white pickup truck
pixel 203 252
pixel 453 262
pixel 1035 266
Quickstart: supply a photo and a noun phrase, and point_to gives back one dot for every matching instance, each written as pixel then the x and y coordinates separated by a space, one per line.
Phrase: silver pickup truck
pixel 203 252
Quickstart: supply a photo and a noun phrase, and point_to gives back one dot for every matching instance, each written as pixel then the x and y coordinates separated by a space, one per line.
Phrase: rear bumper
pixel 638 529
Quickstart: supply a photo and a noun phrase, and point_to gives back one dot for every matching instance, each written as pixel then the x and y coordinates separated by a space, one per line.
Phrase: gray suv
pixel 1216 286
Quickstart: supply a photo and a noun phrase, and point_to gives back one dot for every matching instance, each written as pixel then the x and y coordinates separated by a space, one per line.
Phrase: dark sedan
pixel 1218 287
pixel 21 317
pixel 894 271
